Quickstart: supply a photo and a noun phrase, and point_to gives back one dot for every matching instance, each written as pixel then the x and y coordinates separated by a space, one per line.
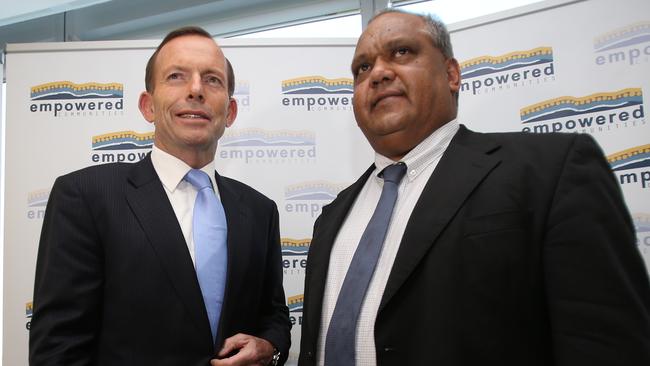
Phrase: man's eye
pixel 402 51
pixel 212 80
pixel 363 68
pixel 174 76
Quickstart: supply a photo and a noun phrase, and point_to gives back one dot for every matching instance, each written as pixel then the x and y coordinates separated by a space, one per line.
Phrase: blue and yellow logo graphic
pixel 295 246
pixel 242 94
pixel 36 203
pixel 632 158
pixel 571 106
pixel 316 93
pixel 485 65
pixel 641 223
pixel 242 87
pixel 38 198
pixel 117 146
pixel 486 74
pixel 632 166
pixel 294 252
pixel 259 137
pixel 317 85
pixel 315 190
pixel 630 35
pixel 123 140
pixel 259 145
pixel 599 112
pixel 65 98
pixel 28 314
pixel 642 227
pixel 295 303
pixel 627 44
pixel 310 197
pixel 63 90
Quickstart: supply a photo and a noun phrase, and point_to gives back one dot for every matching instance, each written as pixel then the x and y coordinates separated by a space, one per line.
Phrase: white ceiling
pixel 24 21
pixel 14 11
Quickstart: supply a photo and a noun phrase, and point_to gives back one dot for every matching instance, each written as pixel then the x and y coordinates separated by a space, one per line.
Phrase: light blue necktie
pixel 341 334
pixel 209 230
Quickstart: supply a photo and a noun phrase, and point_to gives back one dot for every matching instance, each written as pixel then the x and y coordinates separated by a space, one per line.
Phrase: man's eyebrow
pixel 174 67
pixel 212 70
pixel 396 42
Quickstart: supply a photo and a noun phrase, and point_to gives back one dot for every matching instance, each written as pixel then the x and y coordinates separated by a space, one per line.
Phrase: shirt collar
pixel 171 170
pixel 424 154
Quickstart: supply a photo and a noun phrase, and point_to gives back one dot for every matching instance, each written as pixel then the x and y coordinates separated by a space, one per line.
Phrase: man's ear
pixel 453 74
pixel 232 112
pixel 145 104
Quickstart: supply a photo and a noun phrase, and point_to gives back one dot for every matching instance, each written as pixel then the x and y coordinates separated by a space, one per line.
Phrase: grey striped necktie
pixel 341 334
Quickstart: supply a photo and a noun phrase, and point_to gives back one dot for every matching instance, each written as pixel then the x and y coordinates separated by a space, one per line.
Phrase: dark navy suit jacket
pixel 519 251
pixel 115 284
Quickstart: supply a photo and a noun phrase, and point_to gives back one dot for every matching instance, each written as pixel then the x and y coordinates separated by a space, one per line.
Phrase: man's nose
pixel 381 72
pixel 196 88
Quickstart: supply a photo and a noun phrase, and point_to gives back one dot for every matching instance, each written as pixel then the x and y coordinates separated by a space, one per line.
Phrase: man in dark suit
pixel 502 248
pixel 115 276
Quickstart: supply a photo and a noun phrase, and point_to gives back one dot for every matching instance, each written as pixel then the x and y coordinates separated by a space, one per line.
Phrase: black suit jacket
pixel 115 284
pixel 519 251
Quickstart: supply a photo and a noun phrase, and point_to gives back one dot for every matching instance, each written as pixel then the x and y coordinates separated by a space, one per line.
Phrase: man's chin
pixel 385 127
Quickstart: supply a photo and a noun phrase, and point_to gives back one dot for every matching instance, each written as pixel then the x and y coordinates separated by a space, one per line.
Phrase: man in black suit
pixel 502 248
pixel 115 278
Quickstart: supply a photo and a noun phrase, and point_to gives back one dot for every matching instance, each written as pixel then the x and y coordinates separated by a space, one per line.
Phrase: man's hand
pixel 250 351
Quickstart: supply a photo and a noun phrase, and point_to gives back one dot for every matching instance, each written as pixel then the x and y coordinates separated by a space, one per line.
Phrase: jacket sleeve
pixel 68 282
pixel 275 325
pixel 596 283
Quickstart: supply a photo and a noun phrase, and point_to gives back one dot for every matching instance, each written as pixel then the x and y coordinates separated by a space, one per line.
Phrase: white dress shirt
pixel 171 171
pixel 420 164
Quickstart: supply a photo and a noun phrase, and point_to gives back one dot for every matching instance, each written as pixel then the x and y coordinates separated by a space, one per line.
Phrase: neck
pixel 195 158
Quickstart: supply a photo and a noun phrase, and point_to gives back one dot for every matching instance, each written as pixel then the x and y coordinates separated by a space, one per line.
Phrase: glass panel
pixel 452 11
pixel 346 26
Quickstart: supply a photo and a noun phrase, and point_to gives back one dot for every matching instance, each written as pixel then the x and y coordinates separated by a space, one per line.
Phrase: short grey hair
pixel 436 28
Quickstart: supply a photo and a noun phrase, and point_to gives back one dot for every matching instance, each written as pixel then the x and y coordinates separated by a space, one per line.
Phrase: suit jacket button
pixel 310 355
pixel 389 349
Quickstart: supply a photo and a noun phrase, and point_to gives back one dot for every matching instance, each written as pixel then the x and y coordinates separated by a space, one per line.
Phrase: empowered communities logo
pixel 642 227
pixel 295 305
pixel 594 113
pixel 632 166
pixel 627 45
pixel 486 74
pixel 66 98
pixel 29 309
pixel 294 255
pixel 36 203
pixel 242 94
pixel 121 146
pixel 295 247
pixel 308 198
pixel 317 93
pixel 256 145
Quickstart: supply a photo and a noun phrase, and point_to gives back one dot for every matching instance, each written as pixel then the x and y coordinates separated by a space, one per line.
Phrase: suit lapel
pixel 465 163
pixel 329 224
pixel 147 198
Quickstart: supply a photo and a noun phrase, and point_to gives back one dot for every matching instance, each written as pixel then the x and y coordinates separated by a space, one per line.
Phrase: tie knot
pixel 198 179
pixel 393 173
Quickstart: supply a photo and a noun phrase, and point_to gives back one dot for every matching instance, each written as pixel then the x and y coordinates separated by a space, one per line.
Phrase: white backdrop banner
pixel 74 105
pixel 580 67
